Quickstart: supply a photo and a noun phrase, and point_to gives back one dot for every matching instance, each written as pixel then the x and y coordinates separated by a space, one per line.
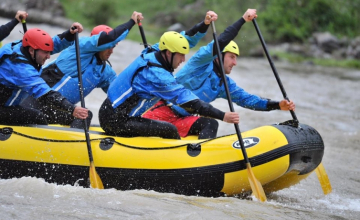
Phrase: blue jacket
pixel 21 77
pixel 95 74
pixel 151 83
pixel 198 76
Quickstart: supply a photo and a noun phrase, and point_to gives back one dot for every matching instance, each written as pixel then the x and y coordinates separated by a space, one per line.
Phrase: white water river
pixel 326 99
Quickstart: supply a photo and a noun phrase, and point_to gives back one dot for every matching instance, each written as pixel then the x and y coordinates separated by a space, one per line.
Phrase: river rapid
pixel 326 99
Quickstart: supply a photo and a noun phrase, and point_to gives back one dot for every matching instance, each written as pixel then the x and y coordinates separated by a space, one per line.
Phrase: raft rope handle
pixel 121 144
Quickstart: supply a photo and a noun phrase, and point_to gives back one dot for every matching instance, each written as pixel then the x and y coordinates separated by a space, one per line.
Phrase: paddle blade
pixel 323 179
pixel 95 180
pixel 255 184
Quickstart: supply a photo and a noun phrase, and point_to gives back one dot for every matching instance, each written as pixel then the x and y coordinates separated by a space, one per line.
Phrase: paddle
pixel 142 33
pixel 23 21
pixel 255 184
pixel 320 170
pixel 95 180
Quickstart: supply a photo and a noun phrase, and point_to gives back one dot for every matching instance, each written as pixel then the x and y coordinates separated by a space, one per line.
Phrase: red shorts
pixel 160 111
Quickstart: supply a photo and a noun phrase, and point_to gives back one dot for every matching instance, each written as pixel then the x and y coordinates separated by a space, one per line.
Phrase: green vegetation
pixel 115 12
pixel 279 20
pixel 296 20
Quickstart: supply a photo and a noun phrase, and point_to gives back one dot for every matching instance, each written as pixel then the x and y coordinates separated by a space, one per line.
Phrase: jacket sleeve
pixel 229 34
pixel 194 34
pixel 200 107
pixel 203 57
pixel 200 27
pixel 55 100
pixel 243 98
pixel 161 83
pixel 7 28
pixel 62 41
pixel 121 30
pixel 103 41
pixel 109 75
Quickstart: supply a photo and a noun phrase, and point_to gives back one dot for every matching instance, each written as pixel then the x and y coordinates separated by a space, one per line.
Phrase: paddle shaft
pixel 142 34
pixel 273 68
pixel 23 23
pixel 255 184
pixel 320 170
pixel 86 127
pixel 227 92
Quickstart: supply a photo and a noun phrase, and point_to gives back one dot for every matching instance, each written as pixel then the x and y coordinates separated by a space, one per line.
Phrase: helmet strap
pixel 35 56
pixel 172 59
pixel 38 65
pixel 169 63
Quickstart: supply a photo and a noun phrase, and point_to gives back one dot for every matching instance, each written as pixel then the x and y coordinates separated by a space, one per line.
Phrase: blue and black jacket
pixel 20 75
pixel 201 75
pixel 62 75
pixel 150 79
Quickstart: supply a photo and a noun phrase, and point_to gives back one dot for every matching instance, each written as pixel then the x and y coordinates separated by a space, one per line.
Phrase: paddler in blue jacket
pixel 201 73
pixel 62 76
pixel 20 68
pixel 147 80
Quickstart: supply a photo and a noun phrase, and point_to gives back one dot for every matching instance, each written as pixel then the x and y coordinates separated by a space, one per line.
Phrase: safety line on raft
pixel 121 144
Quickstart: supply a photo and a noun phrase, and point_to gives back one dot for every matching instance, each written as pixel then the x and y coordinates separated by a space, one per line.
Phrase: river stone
pixel 40 11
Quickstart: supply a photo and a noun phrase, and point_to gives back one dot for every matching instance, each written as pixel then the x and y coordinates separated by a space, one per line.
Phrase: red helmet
pixel 38 39
pixel 96 30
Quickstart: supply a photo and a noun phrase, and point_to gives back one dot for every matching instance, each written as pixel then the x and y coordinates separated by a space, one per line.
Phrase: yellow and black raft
pixel 280 156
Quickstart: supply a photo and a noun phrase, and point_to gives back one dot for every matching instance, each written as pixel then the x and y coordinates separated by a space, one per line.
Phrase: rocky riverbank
pixel 327 46
pixel 320 45
pixel 40 11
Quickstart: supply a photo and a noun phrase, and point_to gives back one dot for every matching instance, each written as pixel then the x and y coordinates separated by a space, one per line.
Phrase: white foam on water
pixel 338 202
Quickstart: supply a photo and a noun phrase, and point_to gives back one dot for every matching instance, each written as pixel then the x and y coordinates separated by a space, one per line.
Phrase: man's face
pixel 230 60
pixel 105 54
pixel 41 55
pixel 178 59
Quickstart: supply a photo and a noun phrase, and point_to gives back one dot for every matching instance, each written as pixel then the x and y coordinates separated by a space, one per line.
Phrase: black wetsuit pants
pixel 205 128
pixel 56 116
pixel 18 115
pixel 120 124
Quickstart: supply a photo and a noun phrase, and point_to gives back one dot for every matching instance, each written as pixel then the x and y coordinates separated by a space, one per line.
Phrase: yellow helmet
pixel 174 42
pixel 0 44
pixel 232 47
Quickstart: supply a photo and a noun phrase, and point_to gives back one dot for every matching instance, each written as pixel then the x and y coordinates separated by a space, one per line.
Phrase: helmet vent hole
pixel 47 45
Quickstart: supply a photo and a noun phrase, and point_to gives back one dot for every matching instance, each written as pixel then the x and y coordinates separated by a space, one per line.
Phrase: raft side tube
pixel 310 147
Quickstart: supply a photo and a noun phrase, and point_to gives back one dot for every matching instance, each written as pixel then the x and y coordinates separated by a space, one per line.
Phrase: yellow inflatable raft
pixel 280 156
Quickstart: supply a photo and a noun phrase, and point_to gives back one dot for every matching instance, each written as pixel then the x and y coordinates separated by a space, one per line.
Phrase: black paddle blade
pixel 293 123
